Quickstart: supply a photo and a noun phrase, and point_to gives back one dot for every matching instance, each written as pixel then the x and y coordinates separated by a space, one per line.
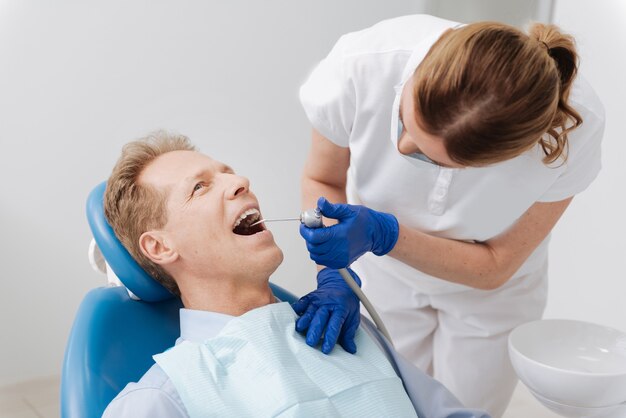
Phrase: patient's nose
pixel 240 185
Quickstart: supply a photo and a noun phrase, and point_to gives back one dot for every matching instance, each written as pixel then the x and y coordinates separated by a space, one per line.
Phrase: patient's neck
pixel 228 296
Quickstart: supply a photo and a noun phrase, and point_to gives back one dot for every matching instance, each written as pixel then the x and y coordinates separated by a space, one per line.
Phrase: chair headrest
pixel 125 267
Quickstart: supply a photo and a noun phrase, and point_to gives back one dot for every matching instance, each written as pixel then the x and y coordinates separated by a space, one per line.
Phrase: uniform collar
pixel 418 55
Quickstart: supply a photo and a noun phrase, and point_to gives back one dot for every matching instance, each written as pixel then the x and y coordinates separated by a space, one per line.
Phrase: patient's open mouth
pixel 247 218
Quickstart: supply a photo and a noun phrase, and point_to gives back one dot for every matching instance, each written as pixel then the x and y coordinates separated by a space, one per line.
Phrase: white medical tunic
pixel 352 98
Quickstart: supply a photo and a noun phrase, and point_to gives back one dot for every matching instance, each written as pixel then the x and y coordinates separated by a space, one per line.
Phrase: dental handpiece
pixel 312 218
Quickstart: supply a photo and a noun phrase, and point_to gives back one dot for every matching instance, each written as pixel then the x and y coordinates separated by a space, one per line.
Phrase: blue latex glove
pixel 332 310
pixel 359 230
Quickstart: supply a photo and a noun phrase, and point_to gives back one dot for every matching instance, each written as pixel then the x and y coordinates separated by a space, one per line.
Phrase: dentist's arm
pixel 325 172
pixel 484 265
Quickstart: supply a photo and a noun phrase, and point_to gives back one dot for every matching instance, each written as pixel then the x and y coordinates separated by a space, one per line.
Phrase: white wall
pixel 588 274
pixel 513 12
pixel 78 81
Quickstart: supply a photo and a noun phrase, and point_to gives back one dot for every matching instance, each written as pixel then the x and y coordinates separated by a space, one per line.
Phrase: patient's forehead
pixel 174 168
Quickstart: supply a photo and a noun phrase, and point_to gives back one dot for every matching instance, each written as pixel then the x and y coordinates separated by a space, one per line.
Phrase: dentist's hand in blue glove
pixel 332 310
pixel 359 230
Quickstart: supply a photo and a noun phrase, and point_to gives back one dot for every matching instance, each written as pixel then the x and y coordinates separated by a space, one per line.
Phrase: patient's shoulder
pixel 155 378
pixel 153 395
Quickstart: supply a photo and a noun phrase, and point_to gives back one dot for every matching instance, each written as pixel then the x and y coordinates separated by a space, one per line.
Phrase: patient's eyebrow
pixel 202 174
pixel 207 173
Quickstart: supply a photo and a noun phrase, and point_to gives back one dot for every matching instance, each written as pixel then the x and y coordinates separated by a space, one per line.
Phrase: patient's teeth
pixel 245 214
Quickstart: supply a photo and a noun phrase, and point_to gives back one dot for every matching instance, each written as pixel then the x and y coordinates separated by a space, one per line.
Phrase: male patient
pixel 186 219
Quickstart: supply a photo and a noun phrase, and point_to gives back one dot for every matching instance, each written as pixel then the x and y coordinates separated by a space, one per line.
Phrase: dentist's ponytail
pixel 561 49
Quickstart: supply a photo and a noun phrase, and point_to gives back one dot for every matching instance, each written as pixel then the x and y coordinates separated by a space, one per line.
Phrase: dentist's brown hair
pixel 493 92
pixel 132 208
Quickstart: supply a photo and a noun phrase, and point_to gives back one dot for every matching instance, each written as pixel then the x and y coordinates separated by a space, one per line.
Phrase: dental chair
pixel 117 329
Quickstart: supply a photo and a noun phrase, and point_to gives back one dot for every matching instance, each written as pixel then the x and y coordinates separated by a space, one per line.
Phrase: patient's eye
pixel 197 187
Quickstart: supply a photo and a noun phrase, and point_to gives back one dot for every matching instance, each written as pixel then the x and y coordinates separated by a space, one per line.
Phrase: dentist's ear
pixel 154 245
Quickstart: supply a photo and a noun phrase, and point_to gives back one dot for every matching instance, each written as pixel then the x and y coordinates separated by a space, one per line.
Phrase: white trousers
pixel 459 337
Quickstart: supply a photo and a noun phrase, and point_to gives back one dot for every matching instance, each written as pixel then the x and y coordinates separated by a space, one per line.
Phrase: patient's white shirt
pixel 154 395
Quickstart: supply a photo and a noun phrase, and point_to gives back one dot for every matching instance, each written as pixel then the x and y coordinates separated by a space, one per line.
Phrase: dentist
pixel 458 147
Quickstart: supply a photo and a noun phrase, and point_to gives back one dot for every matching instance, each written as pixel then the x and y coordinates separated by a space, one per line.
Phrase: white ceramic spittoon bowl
pixel 574 368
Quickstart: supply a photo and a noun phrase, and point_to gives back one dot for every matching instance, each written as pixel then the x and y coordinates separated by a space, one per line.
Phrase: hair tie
pixel 546 45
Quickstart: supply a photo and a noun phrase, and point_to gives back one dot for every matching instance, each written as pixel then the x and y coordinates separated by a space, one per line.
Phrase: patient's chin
pixel 270 260
pixel 281 257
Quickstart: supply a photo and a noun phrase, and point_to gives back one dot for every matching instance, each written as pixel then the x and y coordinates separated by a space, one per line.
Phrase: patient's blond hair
pixel 133 208
pixel 492 92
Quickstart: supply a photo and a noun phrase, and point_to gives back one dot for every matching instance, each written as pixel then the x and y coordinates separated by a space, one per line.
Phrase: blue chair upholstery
pixel 111 343
pixel 114 337
pixel 123 265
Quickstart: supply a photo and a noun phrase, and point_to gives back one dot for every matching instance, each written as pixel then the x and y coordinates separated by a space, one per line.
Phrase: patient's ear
pixel 154 245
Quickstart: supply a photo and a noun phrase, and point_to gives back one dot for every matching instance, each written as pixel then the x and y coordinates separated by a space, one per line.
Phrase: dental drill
pixel 312 218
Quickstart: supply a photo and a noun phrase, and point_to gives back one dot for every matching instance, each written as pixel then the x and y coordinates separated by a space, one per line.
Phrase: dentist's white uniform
pixel 457 333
